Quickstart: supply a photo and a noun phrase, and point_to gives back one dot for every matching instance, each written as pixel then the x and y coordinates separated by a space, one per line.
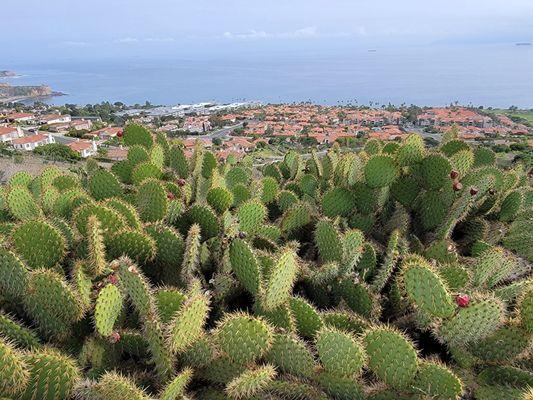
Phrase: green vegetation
pixel 519 116
pixel 394 272
pixel 57 152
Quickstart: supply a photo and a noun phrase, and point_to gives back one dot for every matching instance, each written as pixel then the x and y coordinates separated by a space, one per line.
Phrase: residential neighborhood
pixel 240 129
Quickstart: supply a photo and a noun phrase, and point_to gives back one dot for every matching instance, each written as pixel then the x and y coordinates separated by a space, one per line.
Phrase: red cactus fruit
pixel 242 234
pixel 120 134
pixel 454 174
pixel 181 182
pixel 170 196
pixel 473 191
pixel 112 279
pixel 457 186
pixel 114 337
pixel 462 300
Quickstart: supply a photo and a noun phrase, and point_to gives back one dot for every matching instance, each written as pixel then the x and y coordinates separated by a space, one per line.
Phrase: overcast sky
pixel 104 28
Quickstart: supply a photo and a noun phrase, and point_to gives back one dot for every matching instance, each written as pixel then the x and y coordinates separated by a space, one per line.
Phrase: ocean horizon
pixel 489 75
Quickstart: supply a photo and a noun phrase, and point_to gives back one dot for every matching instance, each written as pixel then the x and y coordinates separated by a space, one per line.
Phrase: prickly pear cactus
pixel 394 272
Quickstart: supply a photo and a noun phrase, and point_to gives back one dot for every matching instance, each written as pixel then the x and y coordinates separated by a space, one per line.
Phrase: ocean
pixel 488 75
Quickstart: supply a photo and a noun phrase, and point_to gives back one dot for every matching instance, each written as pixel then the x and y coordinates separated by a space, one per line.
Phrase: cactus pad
pixel 52 375
pixel 391 357
pixel 107 309
pixel 426 289
pixel 188 323
pixel 220 199
pixel 243 338
pixel 245 266
pixel 481 318
pixel 13 370
pixel 103 185
pixel 39 244
pixel 250 382
pixel 437 381
pixel 21 204
pixel 280 281
pixel 152 201
pixel 339 352
pixel 380 171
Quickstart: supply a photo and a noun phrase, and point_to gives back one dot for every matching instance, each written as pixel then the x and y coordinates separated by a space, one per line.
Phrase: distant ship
pixel 372 50
pixel 523 44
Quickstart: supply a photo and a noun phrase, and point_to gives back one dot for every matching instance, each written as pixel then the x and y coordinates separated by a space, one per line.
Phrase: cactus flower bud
pixel 114 337
pixel 473 191
pixel 462 300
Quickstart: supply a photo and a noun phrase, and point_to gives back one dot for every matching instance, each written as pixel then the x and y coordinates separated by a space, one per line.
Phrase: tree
pixel 308 141
pixel 216 121
pixel 57 152
pixel 238 131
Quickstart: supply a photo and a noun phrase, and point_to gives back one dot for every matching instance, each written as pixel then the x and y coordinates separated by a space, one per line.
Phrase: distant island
pixel 523 44
pixel 11 93
pixel 7 74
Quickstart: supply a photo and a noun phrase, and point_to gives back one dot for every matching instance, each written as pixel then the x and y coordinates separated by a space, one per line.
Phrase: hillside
pixel 394 272
pixel 12 93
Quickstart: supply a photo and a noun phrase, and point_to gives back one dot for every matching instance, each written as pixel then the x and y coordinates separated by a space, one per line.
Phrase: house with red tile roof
pixel 505 120
pixel 239 145
pixel 456 115
pixel 223 154
pixel 50 119
pixel 29 143
pixel 81 124
pixel 105 133
pixel 8 133
pixel 20 117
pixel 197 124
pixel 117 153
pixel 85 148
pixel 387 132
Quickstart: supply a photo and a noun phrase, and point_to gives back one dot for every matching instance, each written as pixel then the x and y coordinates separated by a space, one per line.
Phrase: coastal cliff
pixel 16 93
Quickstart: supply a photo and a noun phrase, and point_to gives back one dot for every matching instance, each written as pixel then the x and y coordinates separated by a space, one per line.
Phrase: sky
pixel 93 29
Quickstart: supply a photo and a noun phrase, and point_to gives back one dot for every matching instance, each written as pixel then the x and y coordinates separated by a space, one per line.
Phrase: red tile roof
pixel 30 139
pixel 4 130
pixel 80 145
pixel 19 115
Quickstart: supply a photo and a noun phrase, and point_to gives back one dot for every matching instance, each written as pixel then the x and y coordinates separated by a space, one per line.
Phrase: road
pixel 62 139
pixel 221 133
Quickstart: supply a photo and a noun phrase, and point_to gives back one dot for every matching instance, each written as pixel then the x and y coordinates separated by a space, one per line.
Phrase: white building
pixel 85 148
pixel 8 133
pixel 54 119
pixel 20 117
pixel 29 143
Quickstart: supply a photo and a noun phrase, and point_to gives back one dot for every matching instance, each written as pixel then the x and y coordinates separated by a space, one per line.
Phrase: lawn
pixel 525 114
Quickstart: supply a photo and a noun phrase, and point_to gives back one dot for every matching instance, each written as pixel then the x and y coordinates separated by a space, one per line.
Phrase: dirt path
pixel 33 165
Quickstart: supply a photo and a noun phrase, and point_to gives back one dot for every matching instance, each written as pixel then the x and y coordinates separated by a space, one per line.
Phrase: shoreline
pixel 16 99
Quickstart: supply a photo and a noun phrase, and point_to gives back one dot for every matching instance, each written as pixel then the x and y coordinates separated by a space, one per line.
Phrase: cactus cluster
pixel 397 272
